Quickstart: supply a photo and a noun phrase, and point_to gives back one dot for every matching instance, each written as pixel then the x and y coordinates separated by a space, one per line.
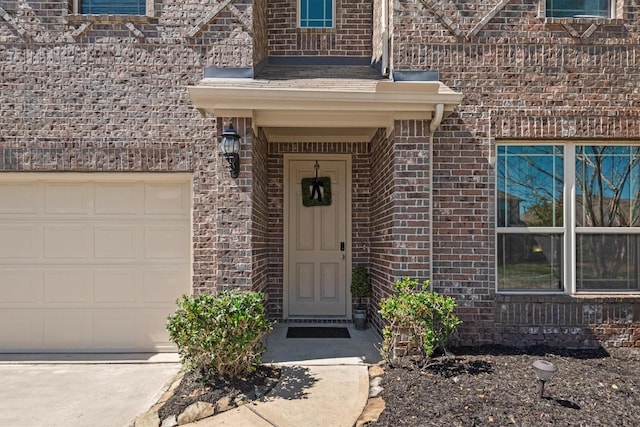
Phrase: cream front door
pixel 317 241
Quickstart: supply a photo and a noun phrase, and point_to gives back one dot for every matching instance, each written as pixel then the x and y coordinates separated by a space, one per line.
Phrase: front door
pixel 316 238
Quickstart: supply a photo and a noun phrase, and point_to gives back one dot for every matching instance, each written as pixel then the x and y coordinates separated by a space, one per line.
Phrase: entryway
pixel 362 347
pixel 317 236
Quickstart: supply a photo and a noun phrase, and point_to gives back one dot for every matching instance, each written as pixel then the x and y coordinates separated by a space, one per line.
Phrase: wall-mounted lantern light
pixel 230 147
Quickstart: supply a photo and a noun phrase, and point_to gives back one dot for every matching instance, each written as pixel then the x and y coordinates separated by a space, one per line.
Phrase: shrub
pixel 425 319
pixel 220 334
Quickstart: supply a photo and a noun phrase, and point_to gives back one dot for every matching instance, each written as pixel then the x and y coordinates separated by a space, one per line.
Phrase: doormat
pixel 317 332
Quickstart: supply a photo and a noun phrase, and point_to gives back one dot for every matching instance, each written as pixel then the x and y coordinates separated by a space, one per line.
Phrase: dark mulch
pixel 480 386
pixel 494 386
pixel 195 387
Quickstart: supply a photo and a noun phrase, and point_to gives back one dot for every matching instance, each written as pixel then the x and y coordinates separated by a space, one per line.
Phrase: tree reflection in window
pixel 607 197
pixel 530 191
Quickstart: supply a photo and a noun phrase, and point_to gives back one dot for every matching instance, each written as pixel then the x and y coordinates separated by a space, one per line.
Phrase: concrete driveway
pixel 65 391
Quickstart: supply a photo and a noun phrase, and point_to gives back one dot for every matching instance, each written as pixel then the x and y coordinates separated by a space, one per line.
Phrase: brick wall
pixel 351 36
pixel 381 270
pixel 523 77
pixel 260 214
pixel 400 222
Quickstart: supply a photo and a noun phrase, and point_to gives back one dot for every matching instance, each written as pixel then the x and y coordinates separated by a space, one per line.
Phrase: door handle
pixel 342 246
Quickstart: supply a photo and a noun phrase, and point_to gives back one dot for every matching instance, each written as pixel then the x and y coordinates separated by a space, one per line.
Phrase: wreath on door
pixel 316 191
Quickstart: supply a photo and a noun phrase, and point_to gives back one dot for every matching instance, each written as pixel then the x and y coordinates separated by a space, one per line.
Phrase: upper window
pixel 579 8
pixel 550 241
pixel 113 7
pixel 316 13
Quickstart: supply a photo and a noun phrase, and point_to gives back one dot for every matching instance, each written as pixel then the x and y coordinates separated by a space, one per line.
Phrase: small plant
pixel 360 285
pixel 418 319
pixel 220 334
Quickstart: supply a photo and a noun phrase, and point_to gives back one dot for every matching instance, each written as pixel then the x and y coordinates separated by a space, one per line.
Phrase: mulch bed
pixel 480 386
pixel 195 387
pixel 495 386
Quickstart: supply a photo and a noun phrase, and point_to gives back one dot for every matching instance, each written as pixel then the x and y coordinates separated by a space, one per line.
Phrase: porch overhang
pixel 346 111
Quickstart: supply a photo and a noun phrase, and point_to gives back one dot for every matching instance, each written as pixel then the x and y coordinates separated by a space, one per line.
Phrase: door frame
pixel 348 259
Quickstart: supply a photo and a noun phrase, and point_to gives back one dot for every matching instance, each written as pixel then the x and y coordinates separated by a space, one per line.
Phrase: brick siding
pixel 350 37
pixel 523 77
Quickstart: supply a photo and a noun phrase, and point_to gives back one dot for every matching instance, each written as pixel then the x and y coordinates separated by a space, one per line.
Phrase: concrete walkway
pixel 324 383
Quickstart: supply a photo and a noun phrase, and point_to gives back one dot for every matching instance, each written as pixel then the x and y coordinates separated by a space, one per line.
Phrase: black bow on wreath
pixel 315 187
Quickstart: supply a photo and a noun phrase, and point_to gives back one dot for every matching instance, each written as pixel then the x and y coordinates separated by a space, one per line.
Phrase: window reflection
pixel 607 262
pixel 530 186
pixel 530 262
pixel 607 186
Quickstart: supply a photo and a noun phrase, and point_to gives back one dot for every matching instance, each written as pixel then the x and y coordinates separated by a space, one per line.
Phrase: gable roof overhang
pixel 343 111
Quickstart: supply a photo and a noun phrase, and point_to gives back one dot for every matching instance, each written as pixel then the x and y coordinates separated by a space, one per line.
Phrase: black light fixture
pixel 230 147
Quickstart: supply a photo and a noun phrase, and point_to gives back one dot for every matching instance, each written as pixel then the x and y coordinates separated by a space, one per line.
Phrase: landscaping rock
pixel 375 371
pixel 375 382
pixel 224 404
pixel 171 421
pixel 150 419
pixel 371 412
pixel 195 412
pixel 375 391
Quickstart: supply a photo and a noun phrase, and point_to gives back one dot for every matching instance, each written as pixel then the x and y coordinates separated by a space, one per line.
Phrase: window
pixel 579 8
pixel 316 13
pixel 113 7
pixel 550 241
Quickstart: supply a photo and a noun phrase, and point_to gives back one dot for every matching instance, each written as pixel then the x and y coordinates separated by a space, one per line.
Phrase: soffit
pixel 321 104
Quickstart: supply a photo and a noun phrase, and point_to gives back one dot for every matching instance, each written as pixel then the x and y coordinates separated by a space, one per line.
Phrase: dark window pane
pixel 530 186
pixel 607 186
pixel 114 7
pixel 577 8
pixel 530 262
pixel 316 13
pixel 607 262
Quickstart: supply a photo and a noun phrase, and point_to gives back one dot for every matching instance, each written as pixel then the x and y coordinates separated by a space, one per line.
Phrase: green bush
pixel 220 334
pixel 425 319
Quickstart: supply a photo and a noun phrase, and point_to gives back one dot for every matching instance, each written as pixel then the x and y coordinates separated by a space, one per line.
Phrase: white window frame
pixel 569 228
pixel 299 17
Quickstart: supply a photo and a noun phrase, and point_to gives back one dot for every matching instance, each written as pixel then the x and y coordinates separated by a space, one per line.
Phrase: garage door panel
pixel 66 198
pixel 66 241
pixel 166 242
pixel 116 330
pixel 162 199
pixel 153 322
pixel 20 330
pixel 116 199
pixel 20 286
pixel 20 241
pixel 68 329
pixel 22 196
pixel 68 286
pixel 160 284
pixel 112 241
pixel 116 285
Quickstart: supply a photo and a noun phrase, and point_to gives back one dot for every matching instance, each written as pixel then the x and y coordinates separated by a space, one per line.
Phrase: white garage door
pixel 92 262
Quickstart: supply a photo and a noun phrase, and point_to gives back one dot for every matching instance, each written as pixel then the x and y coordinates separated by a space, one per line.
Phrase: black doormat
pixel 317 332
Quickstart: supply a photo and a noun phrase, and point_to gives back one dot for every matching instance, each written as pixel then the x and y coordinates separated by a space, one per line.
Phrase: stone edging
pixel 198 410
pixel 375 405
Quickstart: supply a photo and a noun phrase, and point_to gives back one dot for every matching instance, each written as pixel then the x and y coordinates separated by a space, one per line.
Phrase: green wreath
pixel 318 196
